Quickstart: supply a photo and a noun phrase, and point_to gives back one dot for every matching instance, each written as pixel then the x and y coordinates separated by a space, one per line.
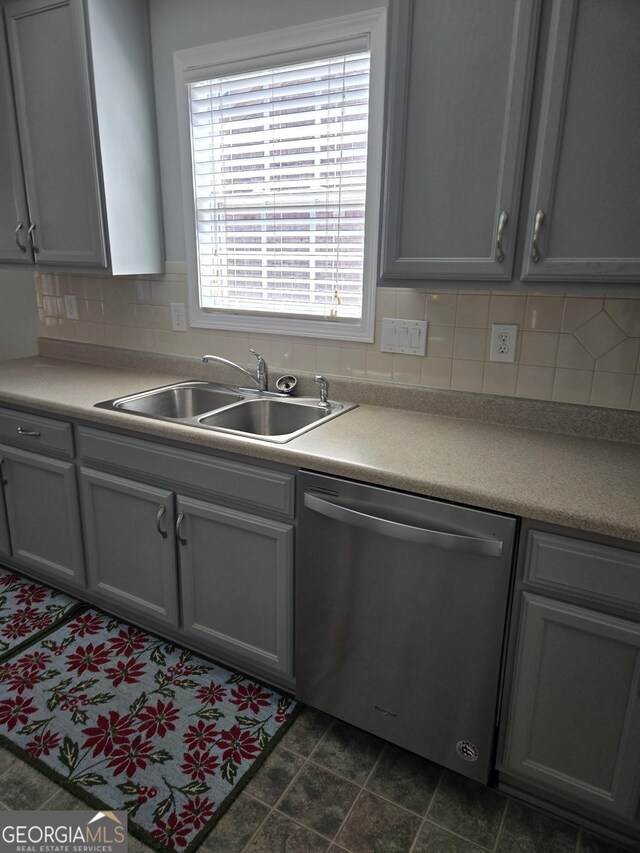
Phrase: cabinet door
pixel 5 542
pixel 43 514
pixel 458 107
pixel 236 579
pixel 50 70
pixel 586 180
pixel 130 544
pixel 14 218
pixel 574 721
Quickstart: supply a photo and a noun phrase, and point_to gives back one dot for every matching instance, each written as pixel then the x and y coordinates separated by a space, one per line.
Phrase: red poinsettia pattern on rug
pixel 139 723
pixel 27 609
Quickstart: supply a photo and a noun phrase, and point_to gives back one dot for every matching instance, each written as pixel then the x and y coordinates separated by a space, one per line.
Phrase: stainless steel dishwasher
pixel 401 608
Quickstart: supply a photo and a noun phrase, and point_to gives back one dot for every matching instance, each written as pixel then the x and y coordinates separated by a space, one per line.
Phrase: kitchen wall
pixel 19 327
pixel 573 349
pixel 179 25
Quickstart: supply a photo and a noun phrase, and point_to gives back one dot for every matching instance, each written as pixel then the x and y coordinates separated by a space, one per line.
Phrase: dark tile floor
pixel 330 787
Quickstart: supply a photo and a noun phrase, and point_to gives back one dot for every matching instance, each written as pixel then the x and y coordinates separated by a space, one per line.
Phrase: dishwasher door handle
pixel 407 532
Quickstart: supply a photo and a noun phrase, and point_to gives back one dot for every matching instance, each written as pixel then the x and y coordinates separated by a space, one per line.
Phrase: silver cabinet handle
pixel 31 432
pixel 535 250
pixel 181 538
pixel 161 512
pixel 32 228
pixel 407 532
pixel 21 246
pixel 502 221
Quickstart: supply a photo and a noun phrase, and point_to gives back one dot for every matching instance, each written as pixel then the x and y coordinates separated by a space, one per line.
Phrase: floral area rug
pixel 124 719
pixel 27 609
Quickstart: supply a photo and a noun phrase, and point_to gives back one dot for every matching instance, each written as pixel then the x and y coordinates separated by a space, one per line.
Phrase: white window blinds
pixel 279 164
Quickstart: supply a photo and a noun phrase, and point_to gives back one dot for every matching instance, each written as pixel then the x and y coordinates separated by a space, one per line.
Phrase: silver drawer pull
pixel 502 221
pixel 21 246
pixel 181 538
pixel 161 512
pixel 537 225
pixel 32 432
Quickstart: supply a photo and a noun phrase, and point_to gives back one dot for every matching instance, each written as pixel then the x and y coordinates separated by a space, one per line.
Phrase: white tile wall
pixel 571 349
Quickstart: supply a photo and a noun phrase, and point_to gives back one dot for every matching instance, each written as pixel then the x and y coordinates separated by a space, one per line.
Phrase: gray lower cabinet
pixel 584 213
pixel 236 579
pixel 572 703
pixel 187 541
pixel 575 713
pixel 41 499
pixel 130 550
pixel 5 541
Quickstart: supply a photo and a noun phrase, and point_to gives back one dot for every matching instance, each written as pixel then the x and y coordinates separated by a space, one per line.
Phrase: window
pixel 281 176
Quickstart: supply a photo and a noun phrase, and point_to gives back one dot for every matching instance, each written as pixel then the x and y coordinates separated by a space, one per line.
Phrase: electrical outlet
pixel 71 306
pixel 503 342
pixel 178 317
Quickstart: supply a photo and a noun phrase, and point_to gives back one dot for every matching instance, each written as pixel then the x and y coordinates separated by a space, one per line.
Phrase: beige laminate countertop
pixel 588 484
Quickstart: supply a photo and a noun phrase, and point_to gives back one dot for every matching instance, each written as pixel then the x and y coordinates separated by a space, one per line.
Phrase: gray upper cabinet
pixel 458 106
pixel 83 98
pixel 458 111
pixel 14 217
pixel 51 86
pixel 586 180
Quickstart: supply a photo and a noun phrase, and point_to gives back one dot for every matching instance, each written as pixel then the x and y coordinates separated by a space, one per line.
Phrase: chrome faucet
pixel 261 377
pixel 324 390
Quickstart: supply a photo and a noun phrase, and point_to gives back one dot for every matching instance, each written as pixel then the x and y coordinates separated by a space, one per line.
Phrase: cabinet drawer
pixel 184 469
pixel 593 571
pixel 36 433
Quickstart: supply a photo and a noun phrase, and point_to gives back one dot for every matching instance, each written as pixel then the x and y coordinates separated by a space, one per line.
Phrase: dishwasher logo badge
pixel 467 750
pixel 386 711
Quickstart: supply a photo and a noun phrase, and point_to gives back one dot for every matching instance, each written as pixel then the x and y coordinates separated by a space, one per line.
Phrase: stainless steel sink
pixel 178 402
pixel 265 415
pixel 267 418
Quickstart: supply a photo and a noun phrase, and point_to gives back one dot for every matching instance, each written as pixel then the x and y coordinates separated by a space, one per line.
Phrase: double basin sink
pixel 208 405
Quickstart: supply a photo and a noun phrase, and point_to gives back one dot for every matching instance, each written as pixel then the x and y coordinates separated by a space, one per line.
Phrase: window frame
pixel 348 33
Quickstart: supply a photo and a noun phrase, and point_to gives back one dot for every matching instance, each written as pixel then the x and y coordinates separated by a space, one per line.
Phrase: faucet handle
pixel 262 364
pixel 323 382
pixel 262 371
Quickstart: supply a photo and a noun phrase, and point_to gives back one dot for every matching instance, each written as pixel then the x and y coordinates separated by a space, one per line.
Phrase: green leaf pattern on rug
pixel 69 753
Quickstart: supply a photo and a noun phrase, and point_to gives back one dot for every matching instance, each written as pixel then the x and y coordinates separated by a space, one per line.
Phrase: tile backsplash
pixel 570 349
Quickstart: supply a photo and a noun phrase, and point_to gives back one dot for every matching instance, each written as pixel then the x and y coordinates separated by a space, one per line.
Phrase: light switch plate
pixel 406 336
